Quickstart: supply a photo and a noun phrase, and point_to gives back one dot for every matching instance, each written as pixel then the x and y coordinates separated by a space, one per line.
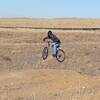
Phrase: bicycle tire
pixel 60 53
pixel 45 53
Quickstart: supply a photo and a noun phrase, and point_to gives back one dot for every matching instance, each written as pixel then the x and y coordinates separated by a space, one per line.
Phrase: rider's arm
pixel 45 38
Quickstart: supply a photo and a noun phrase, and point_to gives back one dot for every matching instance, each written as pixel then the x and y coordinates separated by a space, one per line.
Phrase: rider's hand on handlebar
pixel 43 40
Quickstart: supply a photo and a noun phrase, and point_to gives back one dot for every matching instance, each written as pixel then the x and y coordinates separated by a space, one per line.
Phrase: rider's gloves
pixel 44 40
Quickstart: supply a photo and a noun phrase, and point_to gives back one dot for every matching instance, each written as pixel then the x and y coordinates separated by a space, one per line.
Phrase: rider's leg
pixel 54 48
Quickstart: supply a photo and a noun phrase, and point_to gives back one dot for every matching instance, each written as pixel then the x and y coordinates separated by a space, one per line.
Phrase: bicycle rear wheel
pixel 60 55
pixel 45 53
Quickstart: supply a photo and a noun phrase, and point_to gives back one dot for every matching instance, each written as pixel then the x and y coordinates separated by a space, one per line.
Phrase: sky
pixel 50 8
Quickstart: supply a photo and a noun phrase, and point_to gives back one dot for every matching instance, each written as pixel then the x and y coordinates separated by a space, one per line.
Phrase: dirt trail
pixel 48 85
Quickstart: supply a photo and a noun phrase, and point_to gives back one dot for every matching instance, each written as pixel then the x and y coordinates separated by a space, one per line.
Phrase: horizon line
pixel 49 18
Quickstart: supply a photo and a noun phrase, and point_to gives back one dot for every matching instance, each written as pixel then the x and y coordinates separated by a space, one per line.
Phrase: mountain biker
pixel 55 41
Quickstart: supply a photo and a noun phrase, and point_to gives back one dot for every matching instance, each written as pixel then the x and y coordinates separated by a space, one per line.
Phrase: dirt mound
pixel 48 85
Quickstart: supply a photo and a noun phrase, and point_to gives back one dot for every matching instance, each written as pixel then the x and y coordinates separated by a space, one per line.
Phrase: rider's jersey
pixel 53 38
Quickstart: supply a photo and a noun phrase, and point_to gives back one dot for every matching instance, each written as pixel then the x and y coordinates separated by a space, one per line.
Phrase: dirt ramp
pixel 48 84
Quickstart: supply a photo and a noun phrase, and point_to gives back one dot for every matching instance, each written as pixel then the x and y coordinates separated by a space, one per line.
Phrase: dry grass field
pixel 59 22
pixel 25 76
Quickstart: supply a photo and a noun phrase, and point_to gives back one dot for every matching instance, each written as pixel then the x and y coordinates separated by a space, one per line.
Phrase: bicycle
pixel 60 54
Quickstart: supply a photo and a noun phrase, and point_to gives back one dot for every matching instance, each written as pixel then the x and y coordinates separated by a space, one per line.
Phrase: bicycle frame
pixel 50 46
pixel 60 54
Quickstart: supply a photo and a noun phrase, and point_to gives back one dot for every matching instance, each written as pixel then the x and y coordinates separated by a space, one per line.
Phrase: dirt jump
pixel 24 75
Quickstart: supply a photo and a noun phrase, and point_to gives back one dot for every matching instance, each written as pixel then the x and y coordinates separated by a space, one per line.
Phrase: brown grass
pixel 25 76
pixel 67 22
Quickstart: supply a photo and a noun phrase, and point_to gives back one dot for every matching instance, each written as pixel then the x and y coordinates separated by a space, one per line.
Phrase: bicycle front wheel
pixel 60 55
pixel 45 53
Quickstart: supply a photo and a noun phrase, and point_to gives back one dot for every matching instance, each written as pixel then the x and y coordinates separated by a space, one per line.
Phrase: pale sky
pixel 50 8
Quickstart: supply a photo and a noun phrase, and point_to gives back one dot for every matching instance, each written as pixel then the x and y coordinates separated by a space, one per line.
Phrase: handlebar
pixel 49 42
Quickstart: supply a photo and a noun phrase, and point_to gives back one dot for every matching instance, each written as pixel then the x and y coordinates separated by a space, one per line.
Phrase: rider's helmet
pixel 50 34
